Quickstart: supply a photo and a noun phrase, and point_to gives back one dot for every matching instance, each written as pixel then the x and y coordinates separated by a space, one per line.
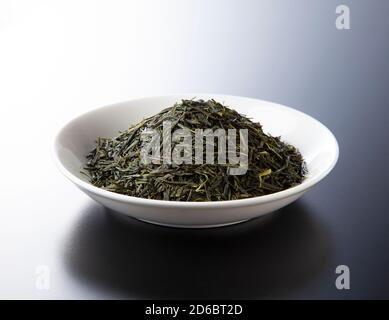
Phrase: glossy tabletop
pixel 59 59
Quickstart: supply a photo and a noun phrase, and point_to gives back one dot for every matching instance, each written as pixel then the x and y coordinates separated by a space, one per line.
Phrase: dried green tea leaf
pixel 272 165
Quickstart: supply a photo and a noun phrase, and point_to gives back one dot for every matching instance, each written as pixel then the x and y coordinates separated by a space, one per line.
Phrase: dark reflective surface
pixel 277 50
pixel 266 257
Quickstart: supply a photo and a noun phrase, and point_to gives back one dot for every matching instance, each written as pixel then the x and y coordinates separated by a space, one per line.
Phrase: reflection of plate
pixel 315 142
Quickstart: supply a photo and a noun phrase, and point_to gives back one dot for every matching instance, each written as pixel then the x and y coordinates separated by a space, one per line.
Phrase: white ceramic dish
pixel 316 143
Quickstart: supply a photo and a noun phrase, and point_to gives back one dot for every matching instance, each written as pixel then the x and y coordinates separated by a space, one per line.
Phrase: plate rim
pixel 304 186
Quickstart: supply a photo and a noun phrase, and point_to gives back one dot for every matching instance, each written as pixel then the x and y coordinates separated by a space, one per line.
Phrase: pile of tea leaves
pixel 272 165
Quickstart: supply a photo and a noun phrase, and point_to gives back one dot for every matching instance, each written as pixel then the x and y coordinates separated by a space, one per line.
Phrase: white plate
pixel 315 142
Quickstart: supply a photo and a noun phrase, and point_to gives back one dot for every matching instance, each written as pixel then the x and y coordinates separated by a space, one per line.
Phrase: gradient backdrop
pixel 59 59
